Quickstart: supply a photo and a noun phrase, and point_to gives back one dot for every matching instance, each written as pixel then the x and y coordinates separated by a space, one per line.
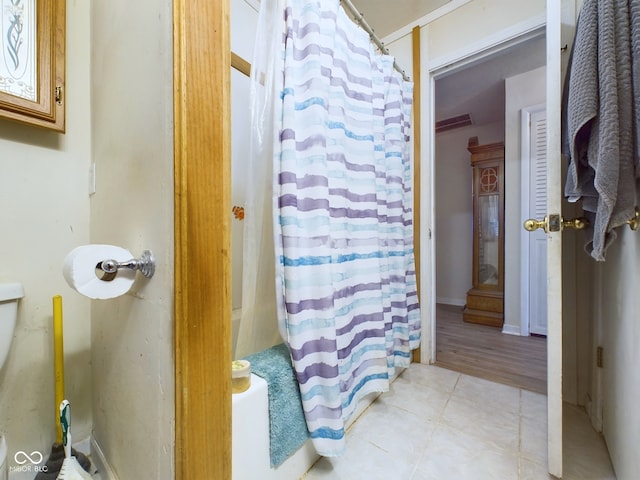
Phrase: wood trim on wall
pixel 417 98
pixel 202 150
pixel 240 64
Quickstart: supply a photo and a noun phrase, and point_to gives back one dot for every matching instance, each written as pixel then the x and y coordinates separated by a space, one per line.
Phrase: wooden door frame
pixel 202 296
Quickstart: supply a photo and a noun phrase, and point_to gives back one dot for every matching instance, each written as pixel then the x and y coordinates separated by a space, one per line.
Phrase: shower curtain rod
pixel 374 38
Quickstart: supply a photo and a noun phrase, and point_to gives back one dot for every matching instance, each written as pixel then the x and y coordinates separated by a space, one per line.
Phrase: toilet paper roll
pixel 79 271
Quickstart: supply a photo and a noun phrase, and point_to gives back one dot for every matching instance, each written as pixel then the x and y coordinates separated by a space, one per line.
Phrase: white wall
pixel 132 336
pixel 244 23
pixel 44 188
pixel 402 50
pixel 454 209
pixel 620 324
pixel 477 21
pixel 44 215
pixel 524 90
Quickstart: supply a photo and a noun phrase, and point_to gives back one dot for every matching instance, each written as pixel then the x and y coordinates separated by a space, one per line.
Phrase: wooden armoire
pixel 485 299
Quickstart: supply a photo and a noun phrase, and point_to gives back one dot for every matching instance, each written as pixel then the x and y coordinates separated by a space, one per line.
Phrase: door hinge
pixel 599 354
pixel 59 95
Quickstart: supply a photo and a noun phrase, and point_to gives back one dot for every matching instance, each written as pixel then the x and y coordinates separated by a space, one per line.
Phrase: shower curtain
pixel 342 202
pixel 259 328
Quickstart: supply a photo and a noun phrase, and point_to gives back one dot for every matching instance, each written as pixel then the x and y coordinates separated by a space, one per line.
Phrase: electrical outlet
pixel 599 355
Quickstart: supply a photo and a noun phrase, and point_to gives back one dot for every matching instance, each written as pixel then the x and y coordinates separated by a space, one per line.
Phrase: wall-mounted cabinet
pixel 485 299
pixel 32 62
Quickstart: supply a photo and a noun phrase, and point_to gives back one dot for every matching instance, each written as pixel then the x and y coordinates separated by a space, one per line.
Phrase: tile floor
pixel 438 424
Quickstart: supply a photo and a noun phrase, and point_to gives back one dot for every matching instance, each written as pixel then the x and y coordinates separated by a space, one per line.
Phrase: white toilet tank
pixel 10 293
pixel 4 474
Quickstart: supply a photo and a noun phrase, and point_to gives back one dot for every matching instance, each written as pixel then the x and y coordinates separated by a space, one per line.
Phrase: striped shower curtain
pixel 345 271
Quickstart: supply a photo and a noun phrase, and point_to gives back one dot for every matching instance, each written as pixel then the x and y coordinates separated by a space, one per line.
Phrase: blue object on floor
pixel 287 425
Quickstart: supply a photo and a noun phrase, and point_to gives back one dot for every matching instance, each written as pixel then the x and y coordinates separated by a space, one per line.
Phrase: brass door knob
pixel 635 221
pixel 577 223
pixel 555 223
pixel 532 224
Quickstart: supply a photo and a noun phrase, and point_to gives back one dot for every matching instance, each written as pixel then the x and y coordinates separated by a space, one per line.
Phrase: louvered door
pixel 538 209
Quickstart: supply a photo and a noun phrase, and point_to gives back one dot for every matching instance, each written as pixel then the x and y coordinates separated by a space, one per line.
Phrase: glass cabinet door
pixel 488 235
pixel 488 225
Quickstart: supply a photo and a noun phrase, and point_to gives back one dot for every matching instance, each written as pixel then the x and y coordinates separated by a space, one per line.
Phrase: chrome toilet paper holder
pixel 107 270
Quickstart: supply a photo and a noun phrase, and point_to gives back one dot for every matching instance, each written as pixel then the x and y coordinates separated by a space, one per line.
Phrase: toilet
pixel 10 293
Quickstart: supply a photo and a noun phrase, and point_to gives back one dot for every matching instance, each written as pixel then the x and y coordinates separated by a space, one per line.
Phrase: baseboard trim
pixel 451 301
pixel 511 330
pixel 100 462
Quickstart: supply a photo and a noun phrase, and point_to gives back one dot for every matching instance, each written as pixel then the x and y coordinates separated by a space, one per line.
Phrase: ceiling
pixel 387 16
pixel 476 89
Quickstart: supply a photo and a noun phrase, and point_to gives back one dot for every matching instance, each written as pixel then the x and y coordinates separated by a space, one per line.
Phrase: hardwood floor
pixel 486 352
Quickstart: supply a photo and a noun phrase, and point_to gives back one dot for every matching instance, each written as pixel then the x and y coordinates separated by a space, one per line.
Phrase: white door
pixel 561 16
pixel 537 285
pixel 554 241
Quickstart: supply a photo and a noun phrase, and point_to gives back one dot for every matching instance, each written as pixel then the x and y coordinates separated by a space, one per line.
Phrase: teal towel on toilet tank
pixel 287 425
